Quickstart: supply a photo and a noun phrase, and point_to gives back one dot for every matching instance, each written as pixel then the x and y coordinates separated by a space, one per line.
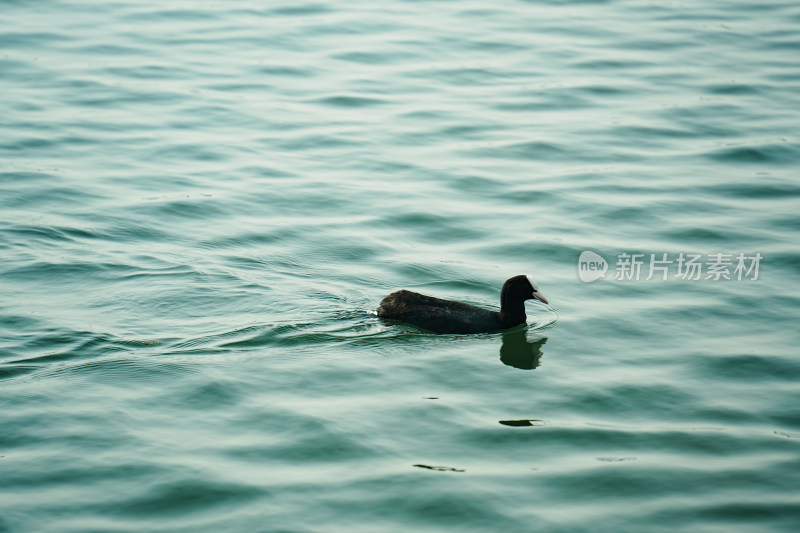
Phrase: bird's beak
pixel 539 296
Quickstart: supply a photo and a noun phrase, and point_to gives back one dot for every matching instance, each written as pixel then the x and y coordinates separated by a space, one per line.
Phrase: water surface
pixel 202 203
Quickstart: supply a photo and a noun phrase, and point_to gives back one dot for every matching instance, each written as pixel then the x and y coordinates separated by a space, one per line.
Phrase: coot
pixel 445 316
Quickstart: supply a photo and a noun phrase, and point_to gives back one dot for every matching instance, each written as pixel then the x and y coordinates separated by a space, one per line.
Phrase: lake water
pixel 202 204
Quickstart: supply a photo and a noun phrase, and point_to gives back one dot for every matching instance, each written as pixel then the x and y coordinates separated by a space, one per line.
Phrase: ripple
pixel 780 153
pixel 761 189
pixel 55 234
pixel 750 367
pixel 302 10
pixel 350 101
pixel 179 498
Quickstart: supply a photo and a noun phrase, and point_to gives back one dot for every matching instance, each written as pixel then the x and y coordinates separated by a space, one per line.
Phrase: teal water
pixel 202 203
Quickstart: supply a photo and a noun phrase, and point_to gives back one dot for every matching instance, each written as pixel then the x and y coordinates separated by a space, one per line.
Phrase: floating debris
pixel 523 422
pixel 440 468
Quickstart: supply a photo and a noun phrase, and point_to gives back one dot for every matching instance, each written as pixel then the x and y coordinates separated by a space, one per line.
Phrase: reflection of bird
pixel 516 351
pixel 446 316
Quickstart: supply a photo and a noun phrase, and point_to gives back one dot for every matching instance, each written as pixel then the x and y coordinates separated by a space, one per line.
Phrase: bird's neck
pixel 512 312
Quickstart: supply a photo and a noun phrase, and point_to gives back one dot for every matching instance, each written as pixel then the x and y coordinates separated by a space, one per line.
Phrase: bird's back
pixel 438 315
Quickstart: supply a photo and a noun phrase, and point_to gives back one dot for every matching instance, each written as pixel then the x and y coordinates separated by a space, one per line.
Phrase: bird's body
pixel 446 316
pixel 435 314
